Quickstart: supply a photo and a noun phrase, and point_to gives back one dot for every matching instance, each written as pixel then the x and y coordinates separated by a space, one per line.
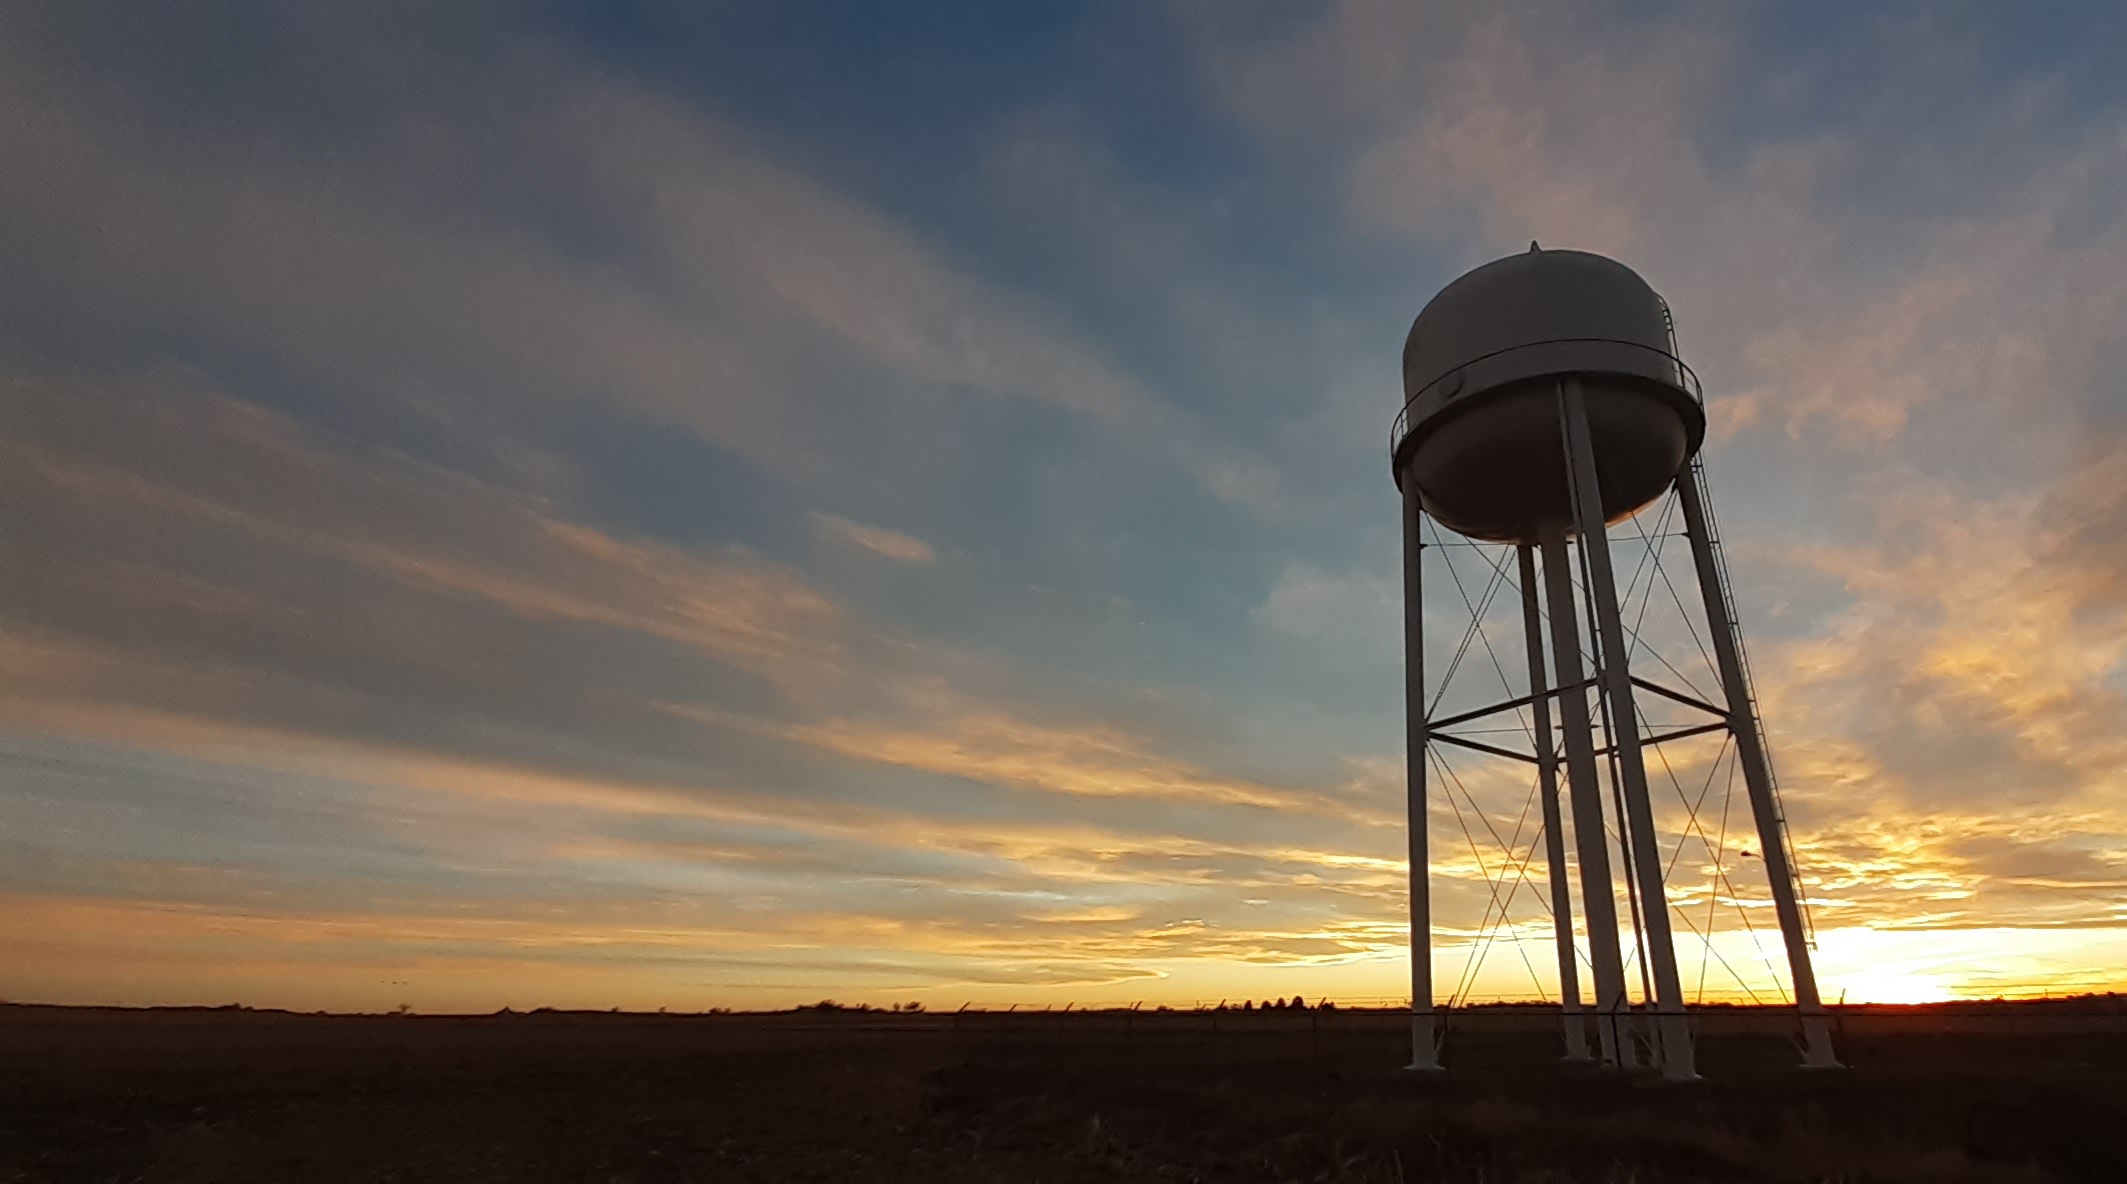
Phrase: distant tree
pixel 914 1006
pixel 1299 1004
pixel 1248 1005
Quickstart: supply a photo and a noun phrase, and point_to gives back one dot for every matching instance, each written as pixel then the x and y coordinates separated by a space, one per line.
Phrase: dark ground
pixel 2030 1093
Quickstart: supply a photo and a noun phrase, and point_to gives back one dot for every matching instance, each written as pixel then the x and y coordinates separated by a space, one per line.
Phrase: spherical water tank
pixel 1482 370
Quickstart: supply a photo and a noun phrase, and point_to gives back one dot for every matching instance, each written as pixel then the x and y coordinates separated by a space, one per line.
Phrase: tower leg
pixel 1670 1021
pixel 1598 897
pixel 1425 1051
pixel 1757 774
pixel 1554 828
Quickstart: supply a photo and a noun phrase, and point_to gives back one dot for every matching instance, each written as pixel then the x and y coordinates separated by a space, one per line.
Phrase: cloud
pixel 239 609
pixel 739 299
pixel 185 492
pixel 1834 315
pixel 903 548
pixel 1310 602
pixel 110 480
pixel 1005 751
pixel 571 871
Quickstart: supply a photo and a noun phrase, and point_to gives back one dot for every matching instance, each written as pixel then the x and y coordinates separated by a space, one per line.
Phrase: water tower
pixel 1545 402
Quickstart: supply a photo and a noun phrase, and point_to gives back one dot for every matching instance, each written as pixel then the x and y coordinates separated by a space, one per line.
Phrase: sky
pixel 670 505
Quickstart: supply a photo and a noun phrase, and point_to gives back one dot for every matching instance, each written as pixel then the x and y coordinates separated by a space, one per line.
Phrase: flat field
pixel 2027 1092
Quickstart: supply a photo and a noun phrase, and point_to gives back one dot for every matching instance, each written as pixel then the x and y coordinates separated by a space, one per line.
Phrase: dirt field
pixel 2030 1093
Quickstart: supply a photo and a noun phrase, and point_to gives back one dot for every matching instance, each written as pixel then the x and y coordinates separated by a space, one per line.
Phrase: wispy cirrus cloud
pixel 892 544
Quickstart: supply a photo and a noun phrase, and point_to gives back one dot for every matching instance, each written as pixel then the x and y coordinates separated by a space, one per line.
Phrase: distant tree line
pixel 831 1005
pixel 1296 1003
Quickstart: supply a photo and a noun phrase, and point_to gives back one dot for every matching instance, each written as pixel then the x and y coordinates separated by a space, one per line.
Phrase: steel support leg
pixel 1590 841
pixel 1670 1020
pixel 1425 1050
pixel 1570 1015
pixel 1757 773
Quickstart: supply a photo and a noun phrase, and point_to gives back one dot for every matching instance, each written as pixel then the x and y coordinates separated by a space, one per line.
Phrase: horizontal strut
pixel 1509 705
pixel 1679 696
pixel 1445 738
pixel 1679 734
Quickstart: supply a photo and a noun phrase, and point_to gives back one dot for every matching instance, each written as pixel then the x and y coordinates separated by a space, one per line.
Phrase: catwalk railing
pixel 1677 372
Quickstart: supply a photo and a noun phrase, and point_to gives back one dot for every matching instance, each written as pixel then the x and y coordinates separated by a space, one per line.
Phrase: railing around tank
pixel 1681 374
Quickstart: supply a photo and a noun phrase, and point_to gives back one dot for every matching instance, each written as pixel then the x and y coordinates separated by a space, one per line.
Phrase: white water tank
pixel 1480 429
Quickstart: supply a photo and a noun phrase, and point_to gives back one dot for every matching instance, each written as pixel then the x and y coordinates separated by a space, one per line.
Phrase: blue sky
pixel 682 505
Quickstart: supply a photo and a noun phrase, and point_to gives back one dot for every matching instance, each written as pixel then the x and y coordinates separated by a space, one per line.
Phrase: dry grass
pixel 234 1096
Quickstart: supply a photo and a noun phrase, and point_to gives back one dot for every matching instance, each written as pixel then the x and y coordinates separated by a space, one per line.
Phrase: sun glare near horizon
pixel 1892 986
